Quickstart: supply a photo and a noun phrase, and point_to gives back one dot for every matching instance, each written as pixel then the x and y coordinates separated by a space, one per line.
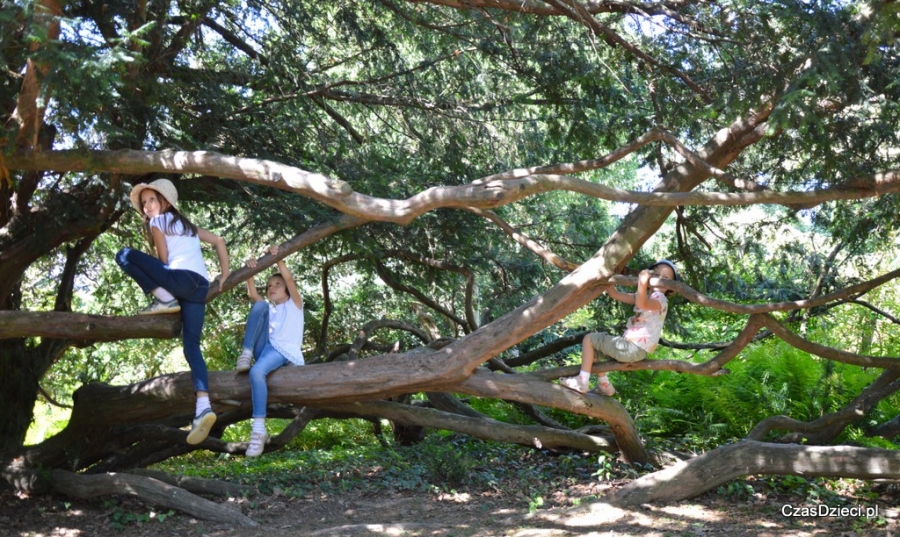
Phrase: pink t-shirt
pixel 645 327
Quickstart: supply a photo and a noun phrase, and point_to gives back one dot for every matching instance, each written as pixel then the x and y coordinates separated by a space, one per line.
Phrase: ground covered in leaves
pixel 462 488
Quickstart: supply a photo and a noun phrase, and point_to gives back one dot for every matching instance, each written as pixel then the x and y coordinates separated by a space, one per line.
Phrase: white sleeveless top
pixel 286 330
pixel 184 250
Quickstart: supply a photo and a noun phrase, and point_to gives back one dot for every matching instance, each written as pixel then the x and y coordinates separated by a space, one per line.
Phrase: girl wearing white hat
pixel 642 332
pixel 178 280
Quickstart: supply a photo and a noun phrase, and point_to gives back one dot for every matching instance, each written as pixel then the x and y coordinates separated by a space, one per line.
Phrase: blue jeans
pixel 256 339
pixel 189 288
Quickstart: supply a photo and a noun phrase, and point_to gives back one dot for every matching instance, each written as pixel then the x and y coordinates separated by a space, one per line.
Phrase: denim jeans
pixel 189 288
pixel 256 338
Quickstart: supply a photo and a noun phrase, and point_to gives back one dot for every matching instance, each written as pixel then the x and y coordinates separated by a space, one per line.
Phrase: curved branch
pixel 483 194
pixel 707 471
pixel 389 280
pixel 525 241
pixel 826 352
pixel 236 41
pixel 533 390
pixel 363 337
pixel 328 305
pixel 881 312
pixel 443 265
pixel 835 421
pixel 297 243
pixel 484 428
pixel 148 489
pixel 577 12
pixel 723 305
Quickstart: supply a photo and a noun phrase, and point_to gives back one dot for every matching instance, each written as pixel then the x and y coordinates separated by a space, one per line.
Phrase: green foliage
pixel 438 464
pixel 395 98
pixel 123 518
pixel 768 379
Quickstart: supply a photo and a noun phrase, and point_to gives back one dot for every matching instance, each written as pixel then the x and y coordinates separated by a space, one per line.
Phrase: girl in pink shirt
pixel 642 331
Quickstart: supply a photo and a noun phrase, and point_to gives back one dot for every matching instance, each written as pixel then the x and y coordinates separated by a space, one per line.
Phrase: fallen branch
pixel 748 457
pixel 148 489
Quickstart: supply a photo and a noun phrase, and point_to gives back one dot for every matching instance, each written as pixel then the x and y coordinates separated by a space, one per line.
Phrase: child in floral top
pixel 642 331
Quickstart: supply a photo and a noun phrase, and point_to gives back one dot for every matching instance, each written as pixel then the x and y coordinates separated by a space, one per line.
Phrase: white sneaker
pixel 157 308
pixel 257 444
pixel 243 362
pixel 201 426
pixel 576 383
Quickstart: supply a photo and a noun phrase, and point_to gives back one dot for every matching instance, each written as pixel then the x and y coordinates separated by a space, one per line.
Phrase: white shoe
pixel 576 383
pixel 201 426
pixel 257 444
pixel 157 308
pixel 243 362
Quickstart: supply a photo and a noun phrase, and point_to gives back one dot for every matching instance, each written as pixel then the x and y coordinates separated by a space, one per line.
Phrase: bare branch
pixel 881 312
pixel 485 428
pixel 525 241
pixel 483 194
pixel 731 307
pixel 389 280
pixel 577 12
pixel 834 422
pixel 365 332
pixel 238 43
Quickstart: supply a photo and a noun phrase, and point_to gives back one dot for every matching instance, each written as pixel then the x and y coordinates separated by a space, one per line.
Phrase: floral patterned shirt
pixel 645 327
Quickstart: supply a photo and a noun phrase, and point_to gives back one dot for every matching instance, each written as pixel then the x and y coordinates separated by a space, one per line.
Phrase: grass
pixel 438 464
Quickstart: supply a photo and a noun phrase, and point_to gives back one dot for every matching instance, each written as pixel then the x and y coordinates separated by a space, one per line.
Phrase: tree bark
pixel 705 472
pixel 485 428
pixel 148 489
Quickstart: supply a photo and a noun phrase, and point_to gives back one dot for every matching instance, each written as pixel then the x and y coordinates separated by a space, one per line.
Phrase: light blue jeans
pixel 256 339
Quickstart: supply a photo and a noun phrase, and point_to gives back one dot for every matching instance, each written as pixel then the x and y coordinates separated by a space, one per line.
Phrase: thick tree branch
pixel 479 194
pixel 148 489
pixel 485 428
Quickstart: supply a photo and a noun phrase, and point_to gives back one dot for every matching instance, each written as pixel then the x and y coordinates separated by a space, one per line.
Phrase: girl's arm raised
pixel 221 251
pixel 251 283
pixel 641 300
pixel 288 279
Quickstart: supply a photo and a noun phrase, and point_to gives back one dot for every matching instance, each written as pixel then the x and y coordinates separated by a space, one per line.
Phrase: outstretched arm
pixel 615 294
pixel 288 278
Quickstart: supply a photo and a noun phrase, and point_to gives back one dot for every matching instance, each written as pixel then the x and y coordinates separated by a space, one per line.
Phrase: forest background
pixel 451 184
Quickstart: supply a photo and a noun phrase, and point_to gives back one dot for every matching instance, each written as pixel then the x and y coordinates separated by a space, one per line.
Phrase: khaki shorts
pixel 617 347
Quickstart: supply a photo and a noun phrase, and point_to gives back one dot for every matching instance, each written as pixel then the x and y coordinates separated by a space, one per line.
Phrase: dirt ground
pixel 575 512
